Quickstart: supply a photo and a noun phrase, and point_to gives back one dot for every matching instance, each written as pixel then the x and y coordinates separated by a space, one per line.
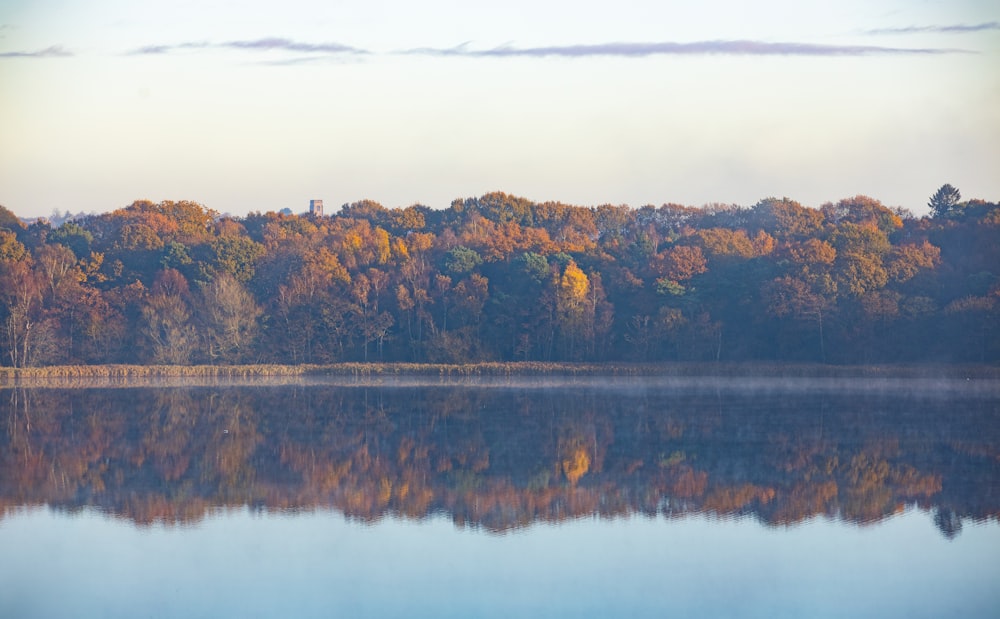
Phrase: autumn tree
pixel 862 211
pixel 786 218
pixel 678 264
pixel 66 299
pixel 9 221
pixel 807 292
pixel 228 316
pixel 11 250
pixel 169 332
pixel 311 308
pixel 27 336
pixel 573 311
pixel 370 323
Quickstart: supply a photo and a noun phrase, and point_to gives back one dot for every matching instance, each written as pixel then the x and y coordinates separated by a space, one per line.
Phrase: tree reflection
pixel 497 458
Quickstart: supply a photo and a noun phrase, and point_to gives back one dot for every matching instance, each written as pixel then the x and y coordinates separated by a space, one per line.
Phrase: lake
pixel 550 497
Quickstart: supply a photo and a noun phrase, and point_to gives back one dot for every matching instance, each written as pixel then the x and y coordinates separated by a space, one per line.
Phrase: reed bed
pixel 124 373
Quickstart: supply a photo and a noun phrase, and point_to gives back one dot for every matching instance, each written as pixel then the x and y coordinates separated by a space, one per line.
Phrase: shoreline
pixel 60 375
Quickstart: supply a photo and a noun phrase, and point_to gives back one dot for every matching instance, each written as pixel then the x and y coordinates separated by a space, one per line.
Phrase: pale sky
pixel 246 106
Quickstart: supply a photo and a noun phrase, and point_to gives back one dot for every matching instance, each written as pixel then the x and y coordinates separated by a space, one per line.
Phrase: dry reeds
pixel 126 373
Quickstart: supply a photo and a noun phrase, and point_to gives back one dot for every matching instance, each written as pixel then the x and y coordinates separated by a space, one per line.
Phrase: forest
pixel 503 278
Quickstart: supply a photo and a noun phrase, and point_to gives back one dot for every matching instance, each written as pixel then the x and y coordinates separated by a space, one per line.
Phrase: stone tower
pixel 316 208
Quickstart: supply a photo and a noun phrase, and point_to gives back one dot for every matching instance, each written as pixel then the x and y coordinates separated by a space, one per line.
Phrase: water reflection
pixel 504 456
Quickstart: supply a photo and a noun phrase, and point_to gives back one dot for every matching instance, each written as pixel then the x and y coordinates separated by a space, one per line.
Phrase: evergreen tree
pixel 944 200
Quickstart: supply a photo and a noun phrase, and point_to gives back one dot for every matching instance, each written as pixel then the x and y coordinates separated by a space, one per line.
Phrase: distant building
pixel 316 208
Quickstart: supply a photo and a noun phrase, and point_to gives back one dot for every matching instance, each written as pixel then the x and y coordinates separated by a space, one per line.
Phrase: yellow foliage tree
pixel 574 285
pixel 576 464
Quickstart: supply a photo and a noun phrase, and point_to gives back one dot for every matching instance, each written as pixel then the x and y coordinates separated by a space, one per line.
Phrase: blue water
pixel 319 564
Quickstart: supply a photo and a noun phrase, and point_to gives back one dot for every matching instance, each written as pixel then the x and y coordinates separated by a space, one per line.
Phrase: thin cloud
pixel 294 46
pixel 267 44
pixel 153 50
pixel 56 51
pixel 953 29
pixel 724 48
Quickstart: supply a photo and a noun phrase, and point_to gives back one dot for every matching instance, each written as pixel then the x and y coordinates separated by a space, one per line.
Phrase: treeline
pixel 502 278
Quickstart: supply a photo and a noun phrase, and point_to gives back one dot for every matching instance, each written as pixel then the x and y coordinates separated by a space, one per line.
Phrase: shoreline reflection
pixel 500 460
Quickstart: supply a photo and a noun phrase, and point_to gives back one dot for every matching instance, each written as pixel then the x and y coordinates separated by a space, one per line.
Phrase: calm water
pixel 577 497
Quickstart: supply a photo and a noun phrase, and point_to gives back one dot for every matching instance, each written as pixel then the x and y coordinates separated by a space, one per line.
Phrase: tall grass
pixel 530 368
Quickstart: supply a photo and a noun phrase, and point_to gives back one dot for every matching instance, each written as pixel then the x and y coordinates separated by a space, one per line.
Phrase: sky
pixel 257 106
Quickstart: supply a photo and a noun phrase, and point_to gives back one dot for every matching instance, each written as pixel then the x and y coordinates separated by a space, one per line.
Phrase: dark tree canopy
pixel 944 200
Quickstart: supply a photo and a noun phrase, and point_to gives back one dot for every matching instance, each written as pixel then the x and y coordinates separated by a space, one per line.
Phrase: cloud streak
pixel 952 29
pixel 153 50
pixel 256 45
pixel 307 52
pixel 699 48
pixel 294 46
pixel 56 51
